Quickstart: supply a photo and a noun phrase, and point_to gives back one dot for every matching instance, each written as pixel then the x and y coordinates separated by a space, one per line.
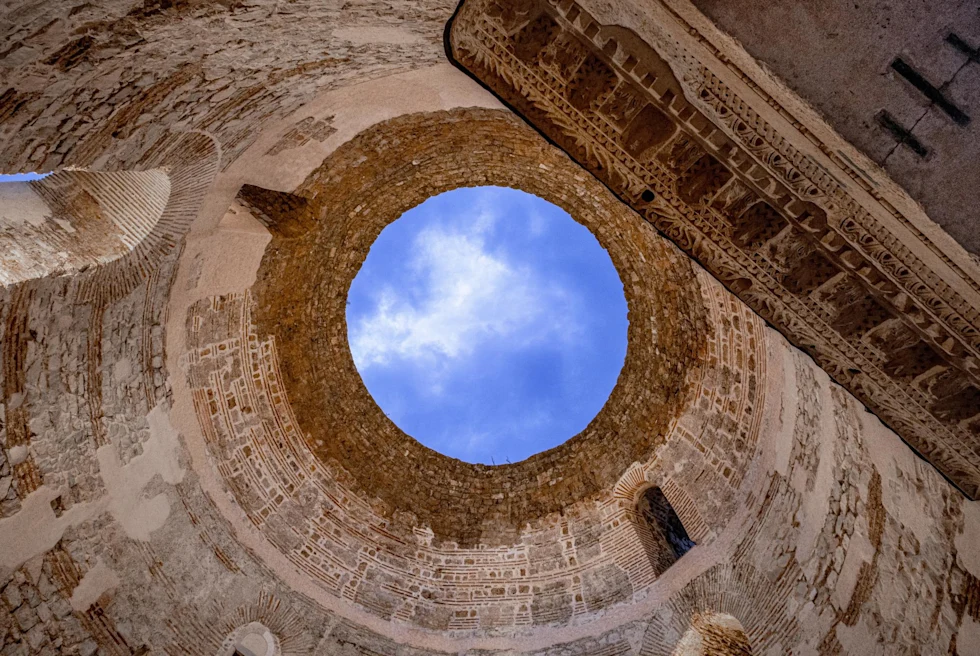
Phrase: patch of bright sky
pixel 488 324
pixel 22 177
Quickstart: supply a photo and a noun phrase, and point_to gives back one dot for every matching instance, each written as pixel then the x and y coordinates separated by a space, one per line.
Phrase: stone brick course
pixel 128 527
pixel 216 66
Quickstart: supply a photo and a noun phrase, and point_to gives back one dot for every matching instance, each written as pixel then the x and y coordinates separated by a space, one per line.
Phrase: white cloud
pixel 467 296
pixel 498 446
pixel 538 224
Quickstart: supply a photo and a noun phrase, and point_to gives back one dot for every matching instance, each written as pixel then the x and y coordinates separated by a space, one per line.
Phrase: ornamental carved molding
pixel 827 253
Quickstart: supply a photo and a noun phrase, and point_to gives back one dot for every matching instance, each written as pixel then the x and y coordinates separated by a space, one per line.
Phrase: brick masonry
pixel 130 525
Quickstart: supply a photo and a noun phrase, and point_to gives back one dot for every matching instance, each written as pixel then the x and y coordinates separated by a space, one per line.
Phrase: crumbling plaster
pixel 832 537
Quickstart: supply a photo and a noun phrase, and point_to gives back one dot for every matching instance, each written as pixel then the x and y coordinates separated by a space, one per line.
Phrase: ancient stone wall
pixel 840 262
pixel 160 491
pixel 460 546
pixel 899 80
pixel 99 84
pixel 73 220
pixel 813 524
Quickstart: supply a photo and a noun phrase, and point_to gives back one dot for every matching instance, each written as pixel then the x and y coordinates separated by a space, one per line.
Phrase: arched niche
pixel 73 219
pixel 252 639
pixel 76 221
pixel 713 634
pixel 664 536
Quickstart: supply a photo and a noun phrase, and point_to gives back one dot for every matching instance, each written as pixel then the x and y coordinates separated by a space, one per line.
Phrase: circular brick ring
pixel 300 299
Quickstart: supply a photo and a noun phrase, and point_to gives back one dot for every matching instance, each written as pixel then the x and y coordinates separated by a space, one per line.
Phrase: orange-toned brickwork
pixel 169 483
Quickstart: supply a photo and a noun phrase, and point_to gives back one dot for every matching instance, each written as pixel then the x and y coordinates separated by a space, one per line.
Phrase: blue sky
pixel 487 324
pixel 21 177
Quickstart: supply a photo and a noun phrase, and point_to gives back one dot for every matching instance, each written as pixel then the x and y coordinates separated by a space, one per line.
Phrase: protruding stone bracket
pixel 283 214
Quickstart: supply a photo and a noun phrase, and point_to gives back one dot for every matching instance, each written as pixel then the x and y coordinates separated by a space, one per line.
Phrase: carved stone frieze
pixel 762 203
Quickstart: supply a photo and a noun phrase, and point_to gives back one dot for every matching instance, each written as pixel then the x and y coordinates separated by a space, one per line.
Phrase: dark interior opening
pixel 663 520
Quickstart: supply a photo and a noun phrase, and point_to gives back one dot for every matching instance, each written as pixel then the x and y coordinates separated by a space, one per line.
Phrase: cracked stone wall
pixel 99 84
pixel 824 536
pixel 157 491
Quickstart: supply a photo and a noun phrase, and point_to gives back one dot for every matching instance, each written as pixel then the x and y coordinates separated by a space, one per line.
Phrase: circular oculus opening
pixel 299 303
pixel 488 324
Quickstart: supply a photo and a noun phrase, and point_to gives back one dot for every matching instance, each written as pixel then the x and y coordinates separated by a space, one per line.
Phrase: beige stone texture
pixel 838 56
pixel 170 483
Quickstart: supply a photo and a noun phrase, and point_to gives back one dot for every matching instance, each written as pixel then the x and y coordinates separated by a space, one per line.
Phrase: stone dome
pixel 190 462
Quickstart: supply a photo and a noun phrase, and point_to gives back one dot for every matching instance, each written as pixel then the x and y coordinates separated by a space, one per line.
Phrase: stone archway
pixel 713 634
pixel 78 222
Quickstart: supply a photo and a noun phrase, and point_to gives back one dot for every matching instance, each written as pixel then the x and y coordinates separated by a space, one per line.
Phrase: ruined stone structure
pixel 190 463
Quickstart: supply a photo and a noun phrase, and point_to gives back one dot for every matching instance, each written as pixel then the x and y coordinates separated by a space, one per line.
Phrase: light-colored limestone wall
pixel 127 528
pixel 99 84
pixel 73 220
pixel 837 56
pixel 837 531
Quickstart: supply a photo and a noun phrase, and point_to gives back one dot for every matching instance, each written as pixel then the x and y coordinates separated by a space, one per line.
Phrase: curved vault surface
pixel 164 490
pixel 396 528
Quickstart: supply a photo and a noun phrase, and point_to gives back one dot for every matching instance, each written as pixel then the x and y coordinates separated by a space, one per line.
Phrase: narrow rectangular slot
pixel 901 134
pixel 901 67
pixel 964 47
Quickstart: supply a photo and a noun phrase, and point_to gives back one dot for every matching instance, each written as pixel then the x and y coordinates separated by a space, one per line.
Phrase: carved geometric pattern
pixel 874 302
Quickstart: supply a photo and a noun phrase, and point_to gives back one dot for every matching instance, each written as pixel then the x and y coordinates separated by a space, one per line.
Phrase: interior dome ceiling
pixel 300 300
pixel 189 460
pixel 396 528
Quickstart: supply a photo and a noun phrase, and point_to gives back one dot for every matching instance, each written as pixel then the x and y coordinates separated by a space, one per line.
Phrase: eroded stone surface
pixel 842 263
pixel 300 302
pixel 167 493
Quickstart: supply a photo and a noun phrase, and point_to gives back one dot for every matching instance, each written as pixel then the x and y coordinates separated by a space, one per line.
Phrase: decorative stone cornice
pixel 786 221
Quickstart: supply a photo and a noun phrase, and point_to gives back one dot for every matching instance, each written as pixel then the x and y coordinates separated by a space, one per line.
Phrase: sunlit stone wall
pixel 159 491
